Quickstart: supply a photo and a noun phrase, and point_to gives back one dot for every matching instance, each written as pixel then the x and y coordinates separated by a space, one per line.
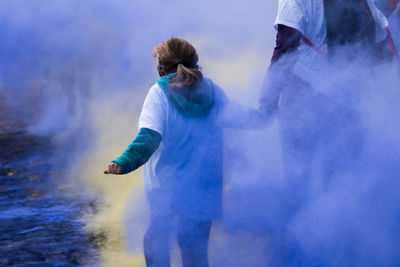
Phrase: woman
pixel 180 138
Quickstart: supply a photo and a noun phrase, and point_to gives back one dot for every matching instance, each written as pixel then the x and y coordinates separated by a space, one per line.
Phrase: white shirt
pixel 308 17
pixel 184 175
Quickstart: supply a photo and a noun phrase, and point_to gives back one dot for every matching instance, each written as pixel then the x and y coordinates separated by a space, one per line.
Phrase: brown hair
pixel 178 55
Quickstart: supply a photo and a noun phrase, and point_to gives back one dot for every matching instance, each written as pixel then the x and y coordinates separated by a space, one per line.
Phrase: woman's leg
pixel 156 240
pixel 193 239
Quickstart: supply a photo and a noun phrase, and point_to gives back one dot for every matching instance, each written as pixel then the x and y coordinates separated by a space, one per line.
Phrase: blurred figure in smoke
pixel 180 138
pixel 314 36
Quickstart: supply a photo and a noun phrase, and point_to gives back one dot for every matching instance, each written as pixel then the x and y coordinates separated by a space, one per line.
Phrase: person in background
pixel 180 144
pixel 312 34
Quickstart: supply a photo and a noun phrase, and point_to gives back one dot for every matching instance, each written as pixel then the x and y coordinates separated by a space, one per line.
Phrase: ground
pixel 40 225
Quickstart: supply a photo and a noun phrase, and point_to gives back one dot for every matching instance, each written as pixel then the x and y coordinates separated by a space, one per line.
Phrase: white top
pixel 308 17
pixel 184 175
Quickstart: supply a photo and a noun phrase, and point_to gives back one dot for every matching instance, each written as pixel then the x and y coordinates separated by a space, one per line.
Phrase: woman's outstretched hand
pixel 113 168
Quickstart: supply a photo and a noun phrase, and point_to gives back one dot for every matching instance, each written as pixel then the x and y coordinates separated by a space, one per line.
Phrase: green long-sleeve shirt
pixel 139 151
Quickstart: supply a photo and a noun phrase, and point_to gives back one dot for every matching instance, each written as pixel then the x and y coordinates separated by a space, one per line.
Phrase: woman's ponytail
pixel 178 55
pixel 186 76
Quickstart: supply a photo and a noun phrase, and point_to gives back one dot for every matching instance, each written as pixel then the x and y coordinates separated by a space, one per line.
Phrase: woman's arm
pixel 235 115
pixel 137 153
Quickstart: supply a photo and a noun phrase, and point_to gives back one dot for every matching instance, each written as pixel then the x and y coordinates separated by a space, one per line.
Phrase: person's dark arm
pixel 139 151
pixel 287 40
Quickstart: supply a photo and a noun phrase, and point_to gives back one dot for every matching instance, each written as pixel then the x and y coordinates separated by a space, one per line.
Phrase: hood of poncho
pixel 197 102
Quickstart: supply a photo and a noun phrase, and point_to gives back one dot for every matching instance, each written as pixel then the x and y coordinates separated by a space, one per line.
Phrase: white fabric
pixel 381 21
pixel 155 107
pixel 184 174
pixel 308 17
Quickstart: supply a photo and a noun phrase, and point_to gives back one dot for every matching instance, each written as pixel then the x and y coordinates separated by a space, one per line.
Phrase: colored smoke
pixel 79 71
